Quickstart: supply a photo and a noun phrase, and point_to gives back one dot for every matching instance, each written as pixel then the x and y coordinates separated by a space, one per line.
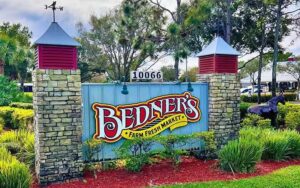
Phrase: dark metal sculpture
pixel 54 8
pixel 268 110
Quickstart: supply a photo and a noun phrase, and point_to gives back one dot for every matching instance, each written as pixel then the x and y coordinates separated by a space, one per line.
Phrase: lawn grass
pixel 284 178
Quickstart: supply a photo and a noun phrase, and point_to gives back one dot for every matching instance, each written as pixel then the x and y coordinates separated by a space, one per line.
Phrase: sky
pixel 32 13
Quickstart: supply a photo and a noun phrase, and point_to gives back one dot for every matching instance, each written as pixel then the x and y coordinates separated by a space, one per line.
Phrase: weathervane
pixel 54 8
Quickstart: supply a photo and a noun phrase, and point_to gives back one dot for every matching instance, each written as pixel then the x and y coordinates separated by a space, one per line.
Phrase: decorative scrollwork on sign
pixel 133 120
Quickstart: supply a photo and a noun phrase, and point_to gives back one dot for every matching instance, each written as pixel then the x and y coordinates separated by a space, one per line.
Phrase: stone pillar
pixel 224 105
pixel 58 125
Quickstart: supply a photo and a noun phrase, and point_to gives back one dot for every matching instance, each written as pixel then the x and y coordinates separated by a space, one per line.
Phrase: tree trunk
pixel 228 21
pixel 259 75
pixel 178 21
pixel 298 89
pixel 22 80
pixel 176 67
pixel 261 53
pixel 126 72
pixel 275 58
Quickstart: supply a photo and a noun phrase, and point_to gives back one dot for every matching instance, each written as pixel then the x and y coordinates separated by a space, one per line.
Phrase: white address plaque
pixel 146 75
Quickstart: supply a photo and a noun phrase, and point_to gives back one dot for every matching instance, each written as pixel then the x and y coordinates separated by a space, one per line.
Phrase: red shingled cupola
pixel 218 57
pixel 55 49
pixel 292 58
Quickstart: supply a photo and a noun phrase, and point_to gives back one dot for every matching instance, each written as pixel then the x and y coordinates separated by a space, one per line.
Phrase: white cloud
pixel 32 13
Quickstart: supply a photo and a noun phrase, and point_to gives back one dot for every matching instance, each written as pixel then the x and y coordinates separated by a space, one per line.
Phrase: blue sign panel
pixel 149 109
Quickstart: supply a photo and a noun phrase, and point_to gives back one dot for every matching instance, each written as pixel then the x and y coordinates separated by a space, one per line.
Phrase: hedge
pixel 292 120
pixel 288 115
pixel 23 98
pixel 16 118
pixel 244 109
pixel 21 105
pixel 267 97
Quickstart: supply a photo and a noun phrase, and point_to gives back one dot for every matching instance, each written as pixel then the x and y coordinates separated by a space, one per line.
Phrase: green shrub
pixel 22 118
pixel 90 148
pixel 247 122
pixel 136 153
pixel 240 155
pixel 290 96
pixel 276 146
pixel 267 97
pixel 15 118
pixel 21 105
pixel 208 138
pixel 252 133
pixel 171 143
pixel 207 146
pixel 109 165
pixel 10 141
pixel 264 123
pixel 23 98
pixel 244 109
pixel 6 116
pixel 283 110
pixel 251 120
pixel 27 153
pixel 1 125
pixel 8 91
pixel 14 174
pixel 256 121
pixel 293 142
pixel 292 120
pixel 21 144
pixel 5 155
pixel 136 163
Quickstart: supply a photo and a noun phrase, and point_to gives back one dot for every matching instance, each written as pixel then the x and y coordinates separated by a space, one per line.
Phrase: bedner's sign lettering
pixel 137 120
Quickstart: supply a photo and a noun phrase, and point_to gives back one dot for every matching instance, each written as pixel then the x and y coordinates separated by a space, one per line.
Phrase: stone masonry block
pixel 224 100
pixel 57 137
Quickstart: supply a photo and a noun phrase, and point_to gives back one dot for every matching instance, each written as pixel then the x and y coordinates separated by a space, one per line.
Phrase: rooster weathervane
pixel 54 8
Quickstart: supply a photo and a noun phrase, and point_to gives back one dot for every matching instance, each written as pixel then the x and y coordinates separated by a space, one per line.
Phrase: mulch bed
pixel 190 170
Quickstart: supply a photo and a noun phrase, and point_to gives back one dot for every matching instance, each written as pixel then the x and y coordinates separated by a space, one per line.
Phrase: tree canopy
pixel 123 40
pixel 15 51
pixel 143 30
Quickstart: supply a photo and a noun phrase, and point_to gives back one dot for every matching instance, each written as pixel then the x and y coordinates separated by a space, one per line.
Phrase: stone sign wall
pixel 58 123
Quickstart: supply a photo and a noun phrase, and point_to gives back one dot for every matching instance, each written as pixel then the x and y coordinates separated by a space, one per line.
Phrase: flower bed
pixel 190 170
